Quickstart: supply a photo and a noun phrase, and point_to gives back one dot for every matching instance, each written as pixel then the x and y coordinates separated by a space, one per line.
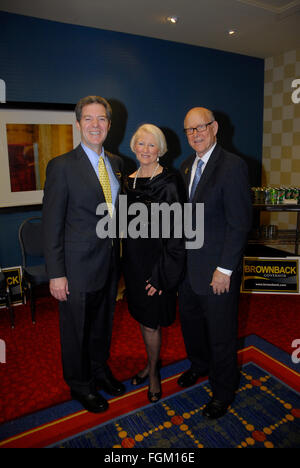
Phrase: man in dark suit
pixel 83 268
pixel 209 294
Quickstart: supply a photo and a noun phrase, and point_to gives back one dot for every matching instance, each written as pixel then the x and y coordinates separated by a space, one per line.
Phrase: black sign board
pixel 271 275
pixel 13 280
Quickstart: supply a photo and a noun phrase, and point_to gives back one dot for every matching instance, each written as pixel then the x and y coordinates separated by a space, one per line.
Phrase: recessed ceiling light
pixel 172 19
pixel 231 32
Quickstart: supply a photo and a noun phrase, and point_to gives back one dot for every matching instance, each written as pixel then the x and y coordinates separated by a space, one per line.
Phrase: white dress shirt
pixel 205 159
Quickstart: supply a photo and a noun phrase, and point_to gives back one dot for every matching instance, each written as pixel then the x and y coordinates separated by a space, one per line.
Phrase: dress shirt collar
pixel 92 155
pixel 206 156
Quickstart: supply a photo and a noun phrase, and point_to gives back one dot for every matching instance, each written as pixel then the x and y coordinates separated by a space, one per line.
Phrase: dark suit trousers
pixel 85 328
pixel 209 325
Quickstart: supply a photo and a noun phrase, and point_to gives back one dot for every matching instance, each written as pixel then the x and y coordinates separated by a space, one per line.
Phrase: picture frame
pixel 30 135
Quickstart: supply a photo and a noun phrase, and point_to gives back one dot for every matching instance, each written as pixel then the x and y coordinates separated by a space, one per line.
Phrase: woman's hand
pixel 152 290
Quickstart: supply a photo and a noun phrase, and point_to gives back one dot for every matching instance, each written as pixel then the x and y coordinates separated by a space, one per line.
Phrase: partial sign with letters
pixel 271 275
pixel 13 277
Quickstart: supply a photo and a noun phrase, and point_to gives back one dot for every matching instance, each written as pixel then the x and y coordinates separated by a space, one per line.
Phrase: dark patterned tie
pixel 196 178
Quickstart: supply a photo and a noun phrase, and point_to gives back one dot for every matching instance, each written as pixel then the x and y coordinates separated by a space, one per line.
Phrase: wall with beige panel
pixel 281 137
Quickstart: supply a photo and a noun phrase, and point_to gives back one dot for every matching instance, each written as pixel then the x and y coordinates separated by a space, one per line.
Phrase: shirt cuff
pixel 223 270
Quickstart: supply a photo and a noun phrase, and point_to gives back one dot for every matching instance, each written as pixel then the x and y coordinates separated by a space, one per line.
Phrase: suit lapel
pixel 88 172
pixel 187 172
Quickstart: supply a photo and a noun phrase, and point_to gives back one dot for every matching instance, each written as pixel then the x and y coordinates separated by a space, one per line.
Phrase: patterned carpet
pixel 265 413
pixel 32 379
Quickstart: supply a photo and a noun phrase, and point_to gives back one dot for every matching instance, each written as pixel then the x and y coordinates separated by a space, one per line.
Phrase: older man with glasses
pixel 209 294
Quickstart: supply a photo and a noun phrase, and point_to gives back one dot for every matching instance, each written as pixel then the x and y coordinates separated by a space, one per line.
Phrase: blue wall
pixel 146 80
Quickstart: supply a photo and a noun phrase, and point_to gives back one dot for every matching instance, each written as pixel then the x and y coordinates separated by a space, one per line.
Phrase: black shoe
pixel 111 385
pixel 155 397
pixel 137 380
pixel 216 409
pixel 189 378
pixel 93 402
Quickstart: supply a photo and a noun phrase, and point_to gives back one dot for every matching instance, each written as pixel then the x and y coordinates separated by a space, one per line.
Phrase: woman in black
pixel 152 266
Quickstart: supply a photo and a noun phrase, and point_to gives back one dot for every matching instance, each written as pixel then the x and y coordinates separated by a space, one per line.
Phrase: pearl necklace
pixel 138 171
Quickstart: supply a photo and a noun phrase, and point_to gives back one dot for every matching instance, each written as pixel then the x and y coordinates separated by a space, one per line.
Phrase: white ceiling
pixel 264 27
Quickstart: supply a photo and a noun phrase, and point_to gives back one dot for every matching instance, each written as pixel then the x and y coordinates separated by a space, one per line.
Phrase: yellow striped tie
pixel 105 184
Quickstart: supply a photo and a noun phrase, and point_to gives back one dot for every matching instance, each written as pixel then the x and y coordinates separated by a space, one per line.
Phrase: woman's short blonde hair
pixel 156 132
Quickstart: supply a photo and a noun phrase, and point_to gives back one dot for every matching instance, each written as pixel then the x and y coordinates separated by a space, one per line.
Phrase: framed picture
pixel 31 135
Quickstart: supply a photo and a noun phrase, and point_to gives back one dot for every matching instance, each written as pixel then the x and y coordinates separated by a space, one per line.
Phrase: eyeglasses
pixel 201 128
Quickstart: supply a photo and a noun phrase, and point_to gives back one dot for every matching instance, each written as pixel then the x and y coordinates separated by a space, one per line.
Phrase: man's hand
pixel 220 282
pixel 59 288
